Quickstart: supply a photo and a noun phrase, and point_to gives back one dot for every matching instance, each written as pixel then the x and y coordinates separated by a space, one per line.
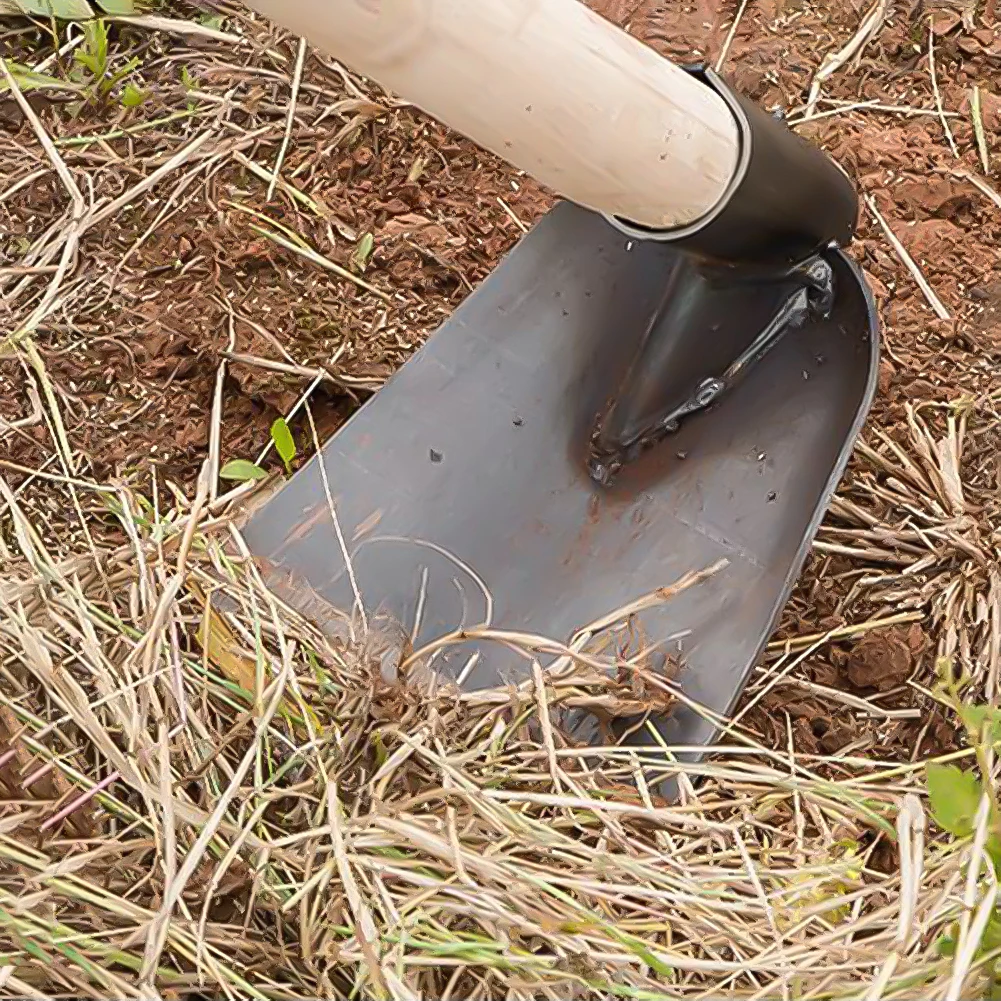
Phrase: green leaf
pixel 132 96
pixel 96 35
pixel 363 252
pixel 242 470
pixel 983 722
pixel 66 10
pixel 284 442
pixel 975 716
pixel 945 945
pixel 954 796
pixel 27 79
pixel 993 849
pixel 991 941
pixel 88 60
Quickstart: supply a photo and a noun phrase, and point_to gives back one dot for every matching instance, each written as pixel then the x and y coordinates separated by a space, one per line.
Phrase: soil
pixel 884 659
pixel 183 286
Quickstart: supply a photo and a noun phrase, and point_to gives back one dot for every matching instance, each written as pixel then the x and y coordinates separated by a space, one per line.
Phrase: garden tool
pixel 666 374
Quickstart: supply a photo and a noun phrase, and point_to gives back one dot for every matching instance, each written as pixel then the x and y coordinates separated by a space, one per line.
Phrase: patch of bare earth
pixel 194 276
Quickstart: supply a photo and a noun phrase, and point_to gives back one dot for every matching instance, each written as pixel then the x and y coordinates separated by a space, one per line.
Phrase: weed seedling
pixel 284 443
pixel 94 65
pixel 243 470
pixel 956 796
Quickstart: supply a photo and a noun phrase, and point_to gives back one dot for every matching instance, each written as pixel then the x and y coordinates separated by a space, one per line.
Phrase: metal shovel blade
pixel 467 472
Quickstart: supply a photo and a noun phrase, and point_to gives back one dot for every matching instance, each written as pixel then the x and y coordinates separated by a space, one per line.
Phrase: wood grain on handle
pixel 548 85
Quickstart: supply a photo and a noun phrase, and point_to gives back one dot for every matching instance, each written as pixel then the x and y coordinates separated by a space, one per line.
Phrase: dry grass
pixel 203 794
pixel 238 804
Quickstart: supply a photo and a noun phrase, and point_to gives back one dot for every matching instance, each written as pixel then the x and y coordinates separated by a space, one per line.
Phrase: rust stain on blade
pixel 367 525
pixel 304 527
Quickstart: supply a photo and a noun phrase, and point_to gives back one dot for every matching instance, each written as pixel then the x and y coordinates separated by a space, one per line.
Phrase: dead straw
pixel 322 826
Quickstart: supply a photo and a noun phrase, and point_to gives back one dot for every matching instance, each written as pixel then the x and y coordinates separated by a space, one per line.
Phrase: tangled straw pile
pixel 207 795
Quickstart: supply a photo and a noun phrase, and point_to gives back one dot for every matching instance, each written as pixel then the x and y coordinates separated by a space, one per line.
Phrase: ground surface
pixel 185 283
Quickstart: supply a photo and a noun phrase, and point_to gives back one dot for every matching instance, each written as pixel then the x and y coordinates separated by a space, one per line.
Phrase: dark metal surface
pixel 715 323
pixel 477 448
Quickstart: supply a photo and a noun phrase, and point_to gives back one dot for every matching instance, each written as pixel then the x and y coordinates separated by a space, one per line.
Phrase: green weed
pixel 243 470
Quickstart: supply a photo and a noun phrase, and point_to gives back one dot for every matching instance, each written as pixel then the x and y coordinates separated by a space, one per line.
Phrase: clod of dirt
pixel 943 21
pixel 990 109
pixel 837 736
pixel 884 659
pixel 934 196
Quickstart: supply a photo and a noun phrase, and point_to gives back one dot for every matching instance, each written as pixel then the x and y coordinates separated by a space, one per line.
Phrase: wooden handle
pixel 547 85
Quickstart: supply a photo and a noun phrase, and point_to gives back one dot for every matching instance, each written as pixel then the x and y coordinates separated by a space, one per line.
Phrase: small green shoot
pixel 132 96
pixel 93 54
pixel 242 471
pixel 978 129
pixel 189 84
pixel 363 252
pixel 954 796
pixel 93 57
pixel 284 443
pixel 68 10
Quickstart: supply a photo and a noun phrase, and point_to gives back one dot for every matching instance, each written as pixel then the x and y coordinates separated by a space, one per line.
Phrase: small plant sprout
pixel 242 471
pixel 93 57
pixel 284 443
pixel 132 96
pixel 957 795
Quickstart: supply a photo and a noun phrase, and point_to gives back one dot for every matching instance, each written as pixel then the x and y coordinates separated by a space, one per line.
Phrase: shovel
pixel 667 374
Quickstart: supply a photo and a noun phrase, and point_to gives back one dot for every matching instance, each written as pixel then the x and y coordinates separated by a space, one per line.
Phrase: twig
pixel 935 88
pixel 272 178
pixel 929 293
pixel 511 214
pixel 980 184
pixel 730 35
pixel 177 160
pixel 299 404
pixel 78 211
pixel 978 129
pixel 78 801
pixel 300 61
pixel 179 26
pixel 350 383
pixel 832 62
pixel 843 632
pixel 348 565
pixel 215 427
pixel 317 258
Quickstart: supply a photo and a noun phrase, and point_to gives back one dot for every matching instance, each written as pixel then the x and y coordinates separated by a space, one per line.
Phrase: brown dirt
pixel 165 293
pixel 885 659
